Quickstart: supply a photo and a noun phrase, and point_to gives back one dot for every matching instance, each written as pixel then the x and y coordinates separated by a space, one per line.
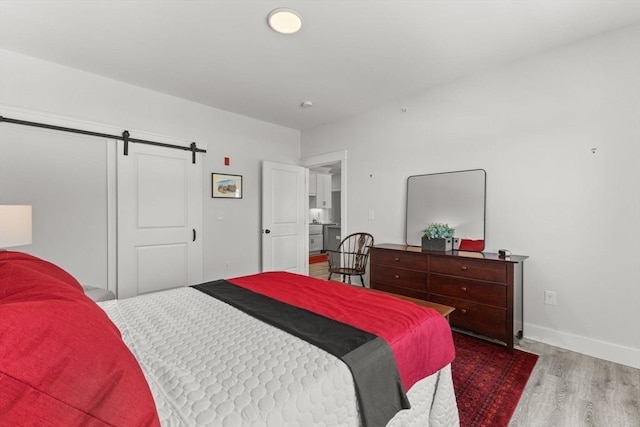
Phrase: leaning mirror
pixel 456 198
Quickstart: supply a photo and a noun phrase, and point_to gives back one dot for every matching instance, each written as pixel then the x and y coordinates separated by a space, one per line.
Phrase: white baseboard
pixel 601 349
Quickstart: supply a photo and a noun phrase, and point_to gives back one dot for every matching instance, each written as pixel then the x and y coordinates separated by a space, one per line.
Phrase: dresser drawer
pixel 413 293
pixel 470 290
pixel 489 321
pixel 399 259
pixel 475 269
pixel 398 277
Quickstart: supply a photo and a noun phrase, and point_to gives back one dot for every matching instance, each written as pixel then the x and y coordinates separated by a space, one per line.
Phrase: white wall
pixel 532 126
pixel 38 86
pixel 70 221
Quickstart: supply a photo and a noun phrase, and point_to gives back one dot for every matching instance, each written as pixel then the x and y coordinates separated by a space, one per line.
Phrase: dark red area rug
pixel 488 381
pixel 314 259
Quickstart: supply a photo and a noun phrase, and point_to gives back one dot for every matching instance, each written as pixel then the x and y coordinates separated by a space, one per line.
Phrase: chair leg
pixel 362 280
pixel 329 276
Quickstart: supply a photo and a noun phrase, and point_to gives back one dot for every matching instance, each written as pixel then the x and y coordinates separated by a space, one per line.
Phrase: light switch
pixel 220 215
pixel 372 215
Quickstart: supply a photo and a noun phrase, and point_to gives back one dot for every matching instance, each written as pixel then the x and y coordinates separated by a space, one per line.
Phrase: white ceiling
pixel 350 55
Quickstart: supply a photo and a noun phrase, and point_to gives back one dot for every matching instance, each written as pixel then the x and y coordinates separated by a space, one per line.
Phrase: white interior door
pixel 159 219
pixel 285 234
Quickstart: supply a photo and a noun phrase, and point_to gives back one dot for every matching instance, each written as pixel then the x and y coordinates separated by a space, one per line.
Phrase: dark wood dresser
pixel 484 288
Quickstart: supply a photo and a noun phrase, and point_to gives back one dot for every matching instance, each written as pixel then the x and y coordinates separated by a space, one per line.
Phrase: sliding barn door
pixel 159 219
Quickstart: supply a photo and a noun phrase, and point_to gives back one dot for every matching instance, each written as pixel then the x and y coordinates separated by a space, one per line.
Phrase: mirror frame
pixel 440 174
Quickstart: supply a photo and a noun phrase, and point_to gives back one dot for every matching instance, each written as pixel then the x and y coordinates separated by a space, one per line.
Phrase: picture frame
pixel 226 186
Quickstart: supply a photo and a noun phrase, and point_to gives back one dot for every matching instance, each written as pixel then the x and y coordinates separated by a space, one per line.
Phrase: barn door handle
pixel 194 234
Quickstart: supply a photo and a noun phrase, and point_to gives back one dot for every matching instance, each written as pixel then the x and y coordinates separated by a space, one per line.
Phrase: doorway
pixel 336 164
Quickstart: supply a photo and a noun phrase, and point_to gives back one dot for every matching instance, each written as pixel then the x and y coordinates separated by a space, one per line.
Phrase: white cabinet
pixel 322 191
pixel 313 179
pixel 315 238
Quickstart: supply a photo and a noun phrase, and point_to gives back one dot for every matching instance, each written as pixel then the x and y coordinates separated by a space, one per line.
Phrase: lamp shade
pixel 15 225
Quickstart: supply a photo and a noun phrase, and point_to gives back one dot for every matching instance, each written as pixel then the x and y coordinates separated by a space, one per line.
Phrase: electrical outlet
pixel 372 215
pixel 220 215
pixel 550 298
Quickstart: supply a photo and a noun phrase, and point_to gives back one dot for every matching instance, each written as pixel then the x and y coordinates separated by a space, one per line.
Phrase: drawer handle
pixel 464 289
pixel 396 259
pixel 465 268
pixel 396 276
pixel 463 311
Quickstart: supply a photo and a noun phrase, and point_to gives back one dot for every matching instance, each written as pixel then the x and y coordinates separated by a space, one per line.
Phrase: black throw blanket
pixel 379 391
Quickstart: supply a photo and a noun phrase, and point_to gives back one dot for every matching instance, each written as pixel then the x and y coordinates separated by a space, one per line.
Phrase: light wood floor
pixel 568 389
pixel 321 271
pixel 571 389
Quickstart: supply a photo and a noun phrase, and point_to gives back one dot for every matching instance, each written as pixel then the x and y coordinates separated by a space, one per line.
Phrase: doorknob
pixel 267 231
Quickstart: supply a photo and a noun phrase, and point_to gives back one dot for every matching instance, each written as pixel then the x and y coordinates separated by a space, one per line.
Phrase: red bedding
pixel 419 337
pixel 62 360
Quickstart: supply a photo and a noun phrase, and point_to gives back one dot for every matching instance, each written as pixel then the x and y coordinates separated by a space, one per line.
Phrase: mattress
pixel 98 294
pixel 208 363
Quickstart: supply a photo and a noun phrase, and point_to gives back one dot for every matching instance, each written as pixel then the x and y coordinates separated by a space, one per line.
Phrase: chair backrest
pixel 355 251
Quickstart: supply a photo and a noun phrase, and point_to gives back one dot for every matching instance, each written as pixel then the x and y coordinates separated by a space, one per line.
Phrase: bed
pixel 271 349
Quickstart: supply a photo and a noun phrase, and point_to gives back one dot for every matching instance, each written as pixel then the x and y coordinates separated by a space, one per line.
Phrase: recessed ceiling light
pixel 284 20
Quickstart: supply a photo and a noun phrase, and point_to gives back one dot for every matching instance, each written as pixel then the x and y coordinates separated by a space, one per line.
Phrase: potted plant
pixel 437 236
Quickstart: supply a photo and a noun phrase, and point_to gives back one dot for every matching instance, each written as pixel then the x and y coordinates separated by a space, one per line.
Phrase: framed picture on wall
pixel 226 186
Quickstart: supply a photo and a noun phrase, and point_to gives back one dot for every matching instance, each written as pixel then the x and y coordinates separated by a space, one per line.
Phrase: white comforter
pixel 210 364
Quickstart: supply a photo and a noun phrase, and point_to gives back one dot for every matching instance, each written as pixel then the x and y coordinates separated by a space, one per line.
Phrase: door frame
pixel 326 159
pixel 110 156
